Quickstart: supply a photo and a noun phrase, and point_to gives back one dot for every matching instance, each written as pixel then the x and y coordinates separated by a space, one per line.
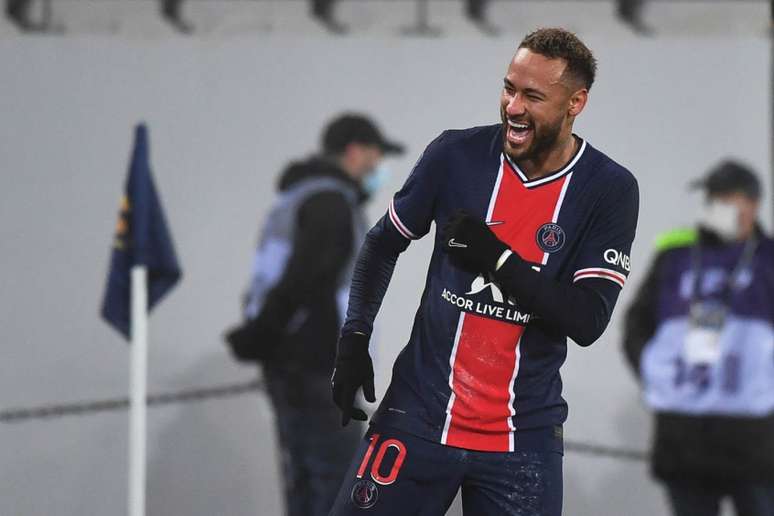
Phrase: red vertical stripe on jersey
pixel 486 361
pixel 483 369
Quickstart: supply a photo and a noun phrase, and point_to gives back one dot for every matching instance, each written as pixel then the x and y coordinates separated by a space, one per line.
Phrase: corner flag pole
pixel 138 378
pixel 142 251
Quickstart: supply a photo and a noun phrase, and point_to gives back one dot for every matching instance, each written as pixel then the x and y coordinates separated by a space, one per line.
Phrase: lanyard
pixel 751 244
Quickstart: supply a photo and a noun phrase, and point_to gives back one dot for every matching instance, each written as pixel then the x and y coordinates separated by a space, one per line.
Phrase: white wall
pixel 225 115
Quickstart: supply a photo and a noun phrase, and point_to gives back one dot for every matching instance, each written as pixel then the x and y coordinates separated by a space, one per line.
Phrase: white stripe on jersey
pixel 599 272
pixel 447 424
pixel 402 229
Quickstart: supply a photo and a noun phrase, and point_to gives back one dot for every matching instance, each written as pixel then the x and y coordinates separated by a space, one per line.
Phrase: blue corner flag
pixel 141 238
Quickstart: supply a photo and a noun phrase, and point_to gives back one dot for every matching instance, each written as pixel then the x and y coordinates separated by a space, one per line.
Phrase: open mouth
pixel 518 132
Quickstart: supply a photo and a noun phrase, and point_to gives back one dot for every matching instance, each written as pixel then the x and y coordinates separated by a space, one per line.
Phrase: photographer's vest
pixel 713 349
pixel 276 245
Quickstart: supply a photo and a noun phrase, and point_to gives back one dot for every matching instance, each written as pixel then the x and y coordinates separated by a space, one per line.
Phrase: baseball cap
pixel 730 176
pixel 356 128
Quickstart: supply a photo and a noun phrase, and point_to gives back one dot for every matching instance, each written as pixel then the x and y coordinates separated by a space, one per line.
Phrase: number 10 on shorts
pixel 377 462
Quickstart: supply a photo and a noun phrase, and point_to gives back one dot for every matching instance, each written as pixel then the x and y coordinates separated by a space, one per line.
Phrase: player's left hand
pixel 471 244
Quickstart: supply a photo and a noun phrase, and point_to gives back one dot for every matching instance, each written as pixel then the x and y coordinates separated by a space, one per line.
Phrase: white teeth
pixel 517 125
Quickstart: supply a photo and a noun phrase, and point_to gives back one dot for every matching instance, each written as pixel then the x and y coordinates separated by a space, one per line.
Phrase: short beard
pixel 543 141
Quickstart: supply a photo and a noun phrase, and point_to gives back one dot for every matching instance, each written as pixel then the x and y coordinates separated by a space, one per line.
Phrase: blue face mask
pixel 375 180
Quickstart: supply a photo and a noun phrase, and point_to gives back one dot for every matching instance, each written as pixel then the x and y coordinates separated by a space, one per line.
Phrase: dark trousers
pixel 171 8
pixel 322 8
pixel 394 473
pixel 748 499
pixel 315 449
pixel 475 9
pixel 17 8
pixel 629 8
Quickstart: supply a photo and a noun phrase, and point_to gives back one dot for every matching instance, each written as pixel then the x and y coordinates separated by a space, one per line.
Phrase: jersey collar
pixel 553 175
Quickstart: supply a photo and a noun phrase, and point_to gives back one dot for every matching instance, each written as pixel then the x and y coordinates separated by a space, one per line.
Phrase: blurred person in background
pixel 296 304
pixel 630 12
pixel 322 11
pixel 700 337
pixel 171 11
pixel 475 10
pixel 18 12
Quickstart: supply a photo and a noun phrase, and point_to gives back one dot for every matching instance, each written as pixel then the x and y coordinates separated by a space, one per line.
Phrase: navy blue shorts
pixel 396 473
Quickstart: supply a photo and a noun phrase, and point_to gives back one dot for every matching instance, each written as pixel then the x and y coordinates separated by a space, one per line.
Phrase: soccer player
pixel 536 227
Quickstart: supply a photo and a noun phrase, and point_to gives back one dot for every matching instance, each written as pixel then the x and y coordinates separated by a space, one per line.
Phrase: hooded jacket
pixel 303 264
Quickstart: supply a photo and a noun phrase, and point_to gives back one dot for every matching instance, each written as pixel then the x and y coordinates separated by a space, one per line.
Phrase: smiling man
pixel 537 227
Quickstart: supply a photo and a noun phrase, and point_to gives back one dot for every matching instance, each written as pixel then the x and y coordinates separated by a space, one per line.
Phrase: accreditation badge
pixel 702 346
pixel 702 342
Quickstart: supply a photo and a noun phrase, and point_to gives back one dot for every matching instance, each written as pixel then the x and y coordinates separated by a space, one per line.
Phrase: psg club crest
pixel 550 237
pixel 364 494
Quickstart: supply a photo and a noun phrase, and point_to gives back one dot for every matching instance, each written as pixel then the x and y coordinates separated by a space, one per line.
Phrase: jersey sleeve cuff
pixel 599 272
pixel 399 225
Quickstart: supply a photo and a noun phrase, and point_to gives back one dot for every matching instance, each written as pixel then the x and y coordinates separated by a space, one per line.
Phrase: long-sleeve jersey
pixel 482 363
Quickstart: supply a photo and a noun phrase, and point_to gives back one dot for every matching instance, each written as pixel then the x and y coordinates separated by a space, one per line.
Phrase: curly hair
pixel 555 43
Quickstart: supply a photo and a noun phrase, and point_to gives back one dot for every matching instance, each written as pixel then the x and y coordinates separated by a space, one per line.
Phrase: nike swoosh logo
pixel 452 243
pixel 495 222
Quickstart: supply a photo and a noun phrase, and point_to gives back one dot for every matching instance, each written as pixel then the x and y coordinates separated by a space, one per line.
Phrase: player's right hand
pixel 352 370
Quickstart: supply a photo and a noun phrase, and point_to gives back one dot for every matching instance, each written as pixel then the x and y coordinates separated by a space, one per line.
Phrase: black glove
pixel 353 369
pixel 471 244
pixel 254 341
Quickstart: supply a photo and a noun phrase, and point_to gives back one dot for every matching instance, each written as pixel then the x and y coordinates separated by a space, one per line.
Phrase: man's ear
pixel 578 102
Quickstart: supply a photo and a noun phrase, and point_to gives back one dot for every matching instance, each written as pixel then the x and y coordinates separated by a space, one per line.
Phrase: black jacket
pixel 706 450
pixel 322 247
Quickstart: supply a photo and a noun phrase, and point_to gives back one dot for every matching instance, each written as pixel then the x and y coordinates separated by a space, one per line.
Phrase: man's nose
pixel 515 106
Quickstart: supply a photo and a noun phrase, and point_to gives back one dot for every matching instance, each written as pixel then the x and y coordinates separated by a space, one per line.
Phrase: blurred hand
pixel 254 341
pixel 353 369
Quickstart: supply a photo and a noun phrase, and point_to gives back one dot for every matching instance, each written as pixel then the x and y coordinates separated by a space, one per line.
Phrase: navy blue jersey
pixel 478 368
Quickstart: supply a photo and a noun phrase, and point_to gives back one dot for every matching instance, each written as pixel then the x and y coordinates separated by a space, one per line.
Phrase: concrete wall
pixel 225 115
